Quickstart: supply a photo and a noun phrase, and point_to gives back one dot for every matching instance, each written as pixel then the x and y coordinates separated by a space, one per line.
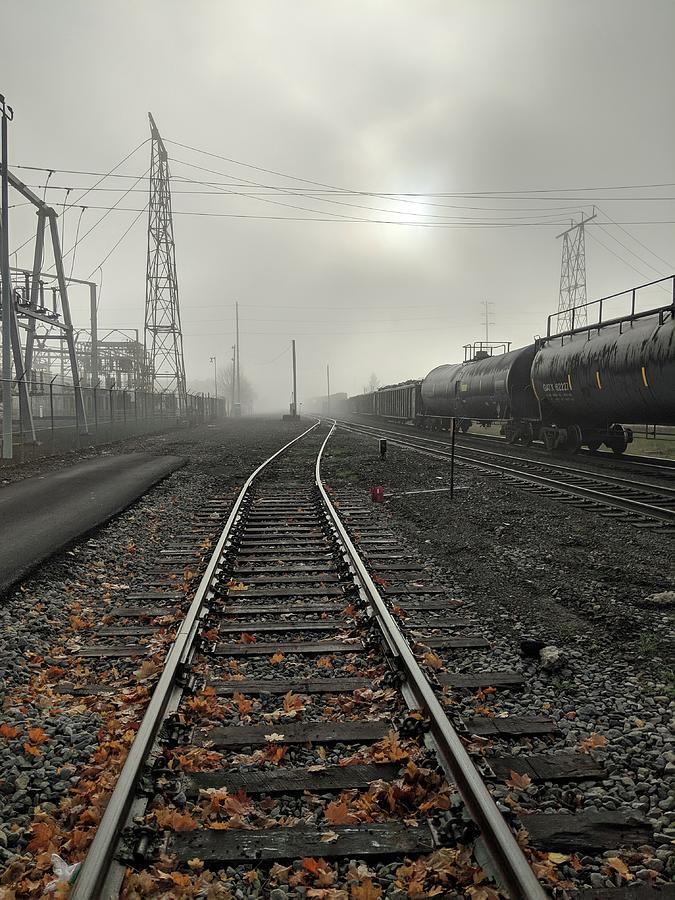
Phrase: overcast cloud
pixel 380 97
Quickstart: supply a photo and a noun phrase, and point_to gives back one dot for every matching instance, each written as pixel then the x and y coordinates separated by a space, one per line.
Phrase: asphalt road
pixel 41 515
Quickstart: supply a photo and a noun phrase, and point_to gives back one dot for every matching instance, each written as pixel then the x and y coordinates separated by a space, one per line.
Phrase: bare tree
pixel 248 394
pixel 372 385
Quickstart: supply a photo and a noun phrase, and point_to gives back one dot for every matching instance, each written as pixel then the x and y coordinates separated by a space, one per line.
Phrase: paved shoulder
pixel 41 515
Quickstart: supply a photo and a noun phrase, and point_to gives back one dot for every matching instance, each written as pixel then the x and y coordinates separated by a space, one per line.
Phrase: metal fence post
pixel 124 406
pixel 96 408
pixel 51 408
pixel 77 415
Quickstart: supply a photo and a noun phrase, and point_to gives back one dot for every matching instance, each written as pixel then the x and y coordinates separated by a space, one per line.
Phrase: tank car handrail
pixel 630 317
pixel 601 300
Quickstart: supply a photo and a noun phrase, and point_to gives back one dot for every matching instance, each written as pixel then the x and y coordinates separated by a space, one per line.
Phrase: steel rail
pixel 504 850
pixel 604 498
pixel 591 475
pixel 95 867
pixel 623 461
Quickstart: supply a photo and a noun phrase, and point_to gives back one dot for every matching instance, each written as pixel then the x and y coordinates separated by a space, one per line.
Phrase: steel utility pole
pixel 7 116
pixel 572 292
pixel 237 411
pixel 487 313
pixel 328 387
pixel 234 370
pixel 163 335
pixel 215 375
pixel 294 411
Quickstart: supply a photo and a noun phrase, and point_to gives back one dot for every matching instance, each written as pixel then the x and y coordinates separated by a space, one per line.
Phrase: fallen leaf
pixel 243 705
pixel 619 866
pixel 8 731
pixel 274 737
pixel 433 660
pixel 36 736
pixel 557 858
pixel 293 702
pixel 328 837
pixel 367 890
pixel 338 814
pixel 592 742
pixel 276 658
pixel 519 781
pixel 43 832
pixel 31 750
pixel 176 821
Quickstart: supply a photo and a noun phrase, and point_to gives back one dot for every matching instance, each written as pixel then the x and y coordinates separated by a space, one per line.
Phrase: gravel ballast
pixel 527 566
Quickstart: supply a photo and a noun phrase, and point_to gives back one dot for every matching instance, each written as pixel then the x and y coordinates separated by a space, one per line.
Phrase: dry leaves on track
pixel 592 743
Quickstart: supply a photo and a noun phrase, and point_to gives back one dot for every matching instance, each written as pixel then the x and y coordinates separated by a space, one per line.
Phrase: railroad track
pixel 293 721
pixel 662 467
pixel 625 499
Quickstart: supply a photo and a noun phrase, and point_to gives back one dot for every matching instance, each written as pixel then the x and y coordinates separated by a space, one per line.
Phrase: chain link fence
pixel 50 421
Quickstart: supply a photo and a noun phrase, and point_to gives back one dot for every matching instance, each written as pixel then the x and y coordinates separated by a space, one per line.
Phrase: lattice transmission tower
pixel 163 335
pixel 573 277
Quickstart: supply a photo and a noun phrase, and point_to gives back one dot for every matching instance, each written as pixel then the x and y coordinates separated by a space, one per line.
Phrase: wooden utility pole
pixel 328 387
pixel 236 317
pixel 294 411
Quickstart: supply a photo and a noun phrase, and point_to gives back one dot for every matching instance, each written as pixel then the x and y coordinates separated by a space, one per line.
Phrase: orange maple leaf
pixel 366 890
pixel 276 658
pixel 519 781
pixel 8 731
pixel 595 740
pixel 43 832
pixel 314 866
pixel 293 702
pixel 176 821
pixel 36 736
pixel 247 638
pixel 433 660
pixel 31 750
pixel 243 705
pixel 338 814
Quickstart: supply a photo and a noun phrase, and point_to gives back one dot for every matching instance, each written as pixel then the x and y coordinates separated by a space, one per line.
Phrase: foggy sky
pixel 367 95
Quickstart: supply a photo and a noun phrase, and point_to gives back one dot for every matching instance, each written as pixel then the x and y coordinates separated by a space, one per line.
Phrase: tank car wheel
pixel 573 442
pixel 617 442
pixel 594 446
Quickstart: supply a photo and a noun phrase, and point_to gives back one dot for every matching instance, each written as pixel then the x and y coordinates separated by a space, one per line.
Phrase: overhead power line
pixel 370 193
pixel 471 223
pixel 504 194
pixel 82 196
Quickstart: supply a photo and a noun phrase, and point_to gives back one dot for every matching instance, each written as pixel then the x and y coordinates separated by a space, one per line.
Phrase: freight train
pixel 576 387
